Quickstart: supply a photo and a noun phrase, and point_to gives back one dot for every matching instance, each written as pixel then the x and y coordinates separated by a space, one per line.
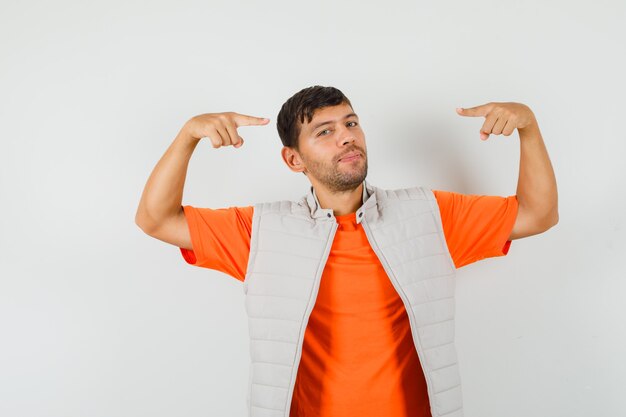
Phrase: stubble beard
pixel 337 178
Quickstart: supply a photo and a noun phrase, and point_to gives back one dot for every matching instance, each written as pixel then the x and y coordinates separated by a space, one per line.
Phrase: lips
pixel 350 156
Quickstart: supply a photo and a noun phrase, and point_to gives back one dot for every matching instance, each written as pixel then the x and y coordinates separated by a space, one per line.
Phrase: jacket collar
pixel 316 211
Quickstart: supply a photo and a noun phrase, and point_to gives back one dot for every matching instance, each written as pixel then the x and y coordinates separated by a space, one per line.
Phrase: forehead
pixel 328 113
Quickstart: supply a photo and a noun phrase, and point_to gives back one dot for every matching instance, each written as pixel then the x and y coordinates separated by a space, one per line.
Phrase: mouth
pixel 352 156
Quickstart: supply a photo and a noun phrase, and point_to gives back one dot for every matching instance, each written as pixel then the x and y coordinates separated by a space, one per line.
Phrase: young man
pixel 349 291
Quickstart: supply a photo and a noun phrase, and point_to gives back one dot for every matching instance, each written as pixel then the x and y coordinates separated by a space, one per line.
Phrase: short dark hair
pixel 304 103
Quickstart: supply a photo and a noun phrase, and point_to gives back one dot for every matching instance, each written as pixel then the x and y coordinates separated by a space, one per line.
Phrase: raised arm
pixel 536 186
pixel 160 213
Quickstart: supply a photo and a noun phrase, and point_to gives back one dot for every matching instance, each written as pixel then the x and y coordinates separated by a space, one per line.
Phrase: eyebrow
pixel 331 121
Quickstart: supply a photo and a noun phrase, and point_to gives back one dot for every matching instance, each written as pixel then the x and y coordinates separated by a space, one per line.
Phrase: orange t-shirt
pixel 358 356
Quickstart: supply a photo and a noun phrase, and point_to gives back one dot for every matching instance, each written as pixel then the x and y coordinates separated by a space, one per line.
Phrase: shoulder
pixel 416 192
pixel 280 210
pixel 279 206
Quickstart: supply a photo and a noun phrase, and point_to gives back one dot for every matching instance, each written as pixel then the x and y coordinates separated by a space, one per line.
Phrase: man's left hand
pixel 501 118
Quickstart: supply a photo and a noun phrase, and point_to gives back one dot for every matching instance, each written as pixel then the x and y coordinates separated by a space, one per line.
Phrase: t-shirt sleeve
pixel 220 238
pixel 476 226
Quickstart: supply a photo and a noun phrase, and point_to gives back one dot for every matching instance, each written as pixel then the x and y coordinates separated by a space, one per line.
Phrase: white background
pixel 97 319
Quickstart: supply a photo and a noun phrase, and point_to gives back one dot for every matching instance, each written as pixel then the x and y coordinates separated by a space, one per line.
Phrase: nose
pixel 345 136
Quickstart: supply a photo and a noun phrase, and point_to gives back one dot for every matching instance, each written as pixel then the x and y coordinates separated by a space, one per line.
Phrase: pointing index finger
pixel 245 120
pixel 474 111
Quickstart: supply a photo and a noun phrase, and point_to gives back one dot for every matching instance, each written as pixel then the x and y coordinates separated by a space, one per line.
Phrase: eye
pixel 325 130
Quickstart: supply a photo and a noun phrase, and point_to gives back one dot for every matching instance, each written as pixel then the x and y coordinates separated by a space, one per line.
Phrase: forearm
pixel 162 195
pixel 536 186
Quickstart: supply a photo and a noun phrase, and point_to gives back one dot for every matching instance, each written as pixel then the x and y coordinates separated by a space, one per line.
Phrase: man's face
pixel 333 133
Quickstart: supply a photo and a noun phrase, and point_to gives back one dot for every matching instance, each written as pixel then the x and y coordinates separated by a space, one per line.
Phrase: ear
pixel 292 159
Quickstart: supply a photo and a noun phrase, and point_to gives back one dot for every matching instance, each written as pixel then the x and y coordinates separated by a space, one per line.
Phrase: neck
pixel 342 202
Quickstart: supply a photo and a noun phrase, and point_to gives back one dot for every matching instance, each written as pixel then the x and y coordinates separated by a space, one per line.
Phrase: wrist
pixel 532 127
pixel 186 133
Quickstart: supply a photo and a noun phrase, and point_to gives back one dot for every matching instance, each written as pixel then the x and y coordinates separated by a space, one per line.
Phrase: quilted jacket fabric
pixel 290 244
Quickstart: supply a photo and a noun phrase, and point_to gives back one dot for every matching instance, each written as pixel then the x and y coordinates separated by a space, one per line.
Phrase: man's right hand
pixel 160 213
pixel 221 128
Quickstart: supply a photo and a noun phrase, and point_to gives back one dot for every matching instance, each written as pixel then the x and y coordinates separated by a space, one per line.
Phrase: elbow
pixel 554 216
pixel 551 220
pixel 143 223
pixel 142 226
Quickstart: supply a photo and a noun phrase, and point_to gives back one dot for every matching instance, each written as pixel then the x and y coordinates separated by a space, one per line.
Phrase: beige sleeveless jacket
pixel 290 244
